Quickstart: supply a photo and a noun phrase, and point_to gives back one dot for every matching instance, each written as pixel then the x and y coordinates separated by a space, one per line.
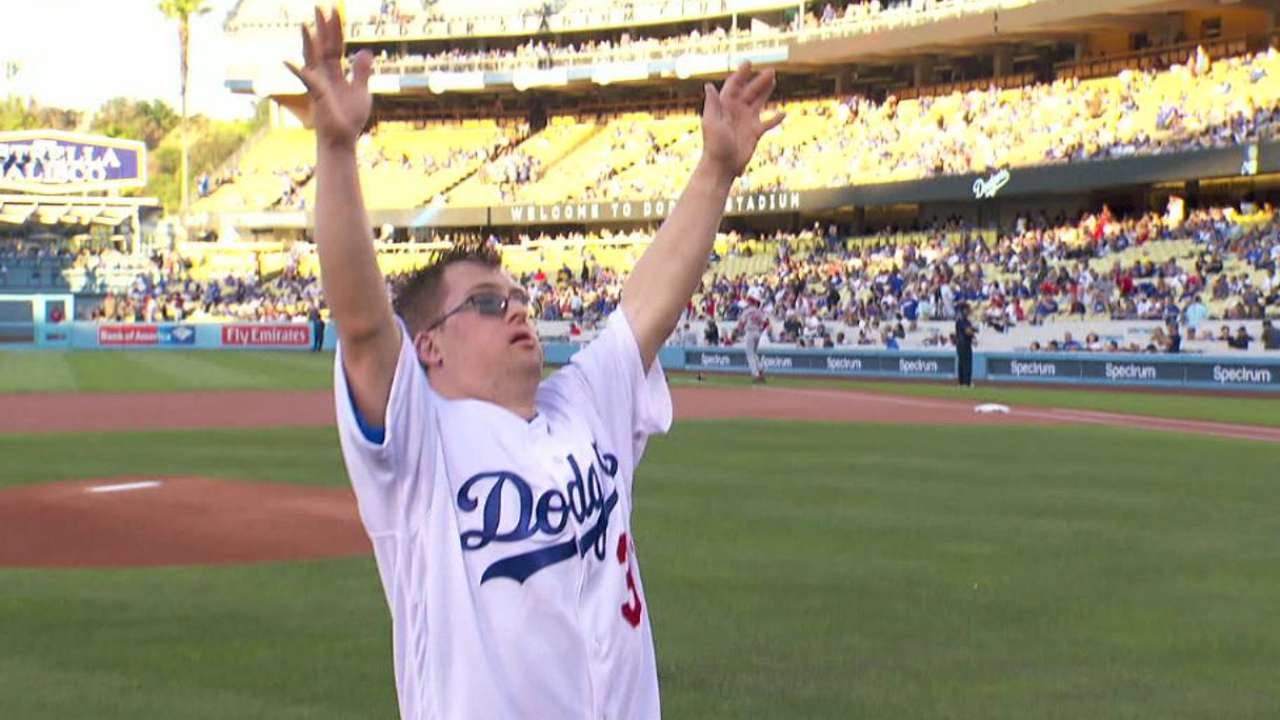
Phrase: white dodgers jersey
pixel 504 546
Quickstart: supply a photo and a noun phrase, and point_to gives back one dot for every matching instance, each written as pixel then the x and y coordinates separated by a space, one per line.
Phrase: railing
pixel 531 21
pixel 906 16
pixel 1150 59
pixel 640 51
pixel 1008 81
pixel 735 42
pixel 857 22
pixel 631 14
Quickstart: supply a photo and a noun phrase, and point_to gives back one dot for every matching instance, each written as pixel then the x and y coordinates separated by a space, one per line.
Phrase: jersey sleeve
pixel 388 459
pixel 607 377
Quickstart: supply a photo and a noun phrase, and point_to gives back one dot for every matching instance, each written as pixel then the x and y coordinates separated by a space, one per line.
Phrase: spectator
pixel 711 334
pixel 1241 339
pixel 1173 338
pixel 317 329
pixel 1197 312
pixel 966 333
pixel 1270 336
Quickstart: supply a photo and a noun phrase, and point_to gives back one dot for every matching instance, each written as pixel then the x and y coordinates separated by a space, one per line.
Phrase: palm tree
pixel 182 10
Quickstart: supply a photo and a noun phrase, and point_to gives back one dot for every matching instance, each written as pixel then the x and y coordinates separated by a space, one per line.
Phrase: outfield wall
pixel 1197 372
pixel 82 335
pixel 1200 372
pixel 1250 372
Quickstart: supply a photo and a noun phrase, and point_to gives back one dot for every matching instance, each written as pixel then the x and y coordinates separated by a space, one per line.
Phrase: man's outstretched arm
pixel 665 277
pixel 353 285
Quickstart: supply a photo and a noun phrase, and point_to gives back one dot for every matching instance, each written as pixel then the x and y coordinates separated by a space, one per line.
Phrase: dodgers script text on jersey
pixel 548 515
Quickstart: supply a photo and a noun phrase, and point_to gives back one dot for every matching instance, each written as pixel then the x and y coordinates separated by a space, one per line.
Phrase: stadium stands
pixel 457 19
pixel 1060 103
pixel 401 166
pixel 853 141
pixel 822 288
pixel 267 175
pixel 829 142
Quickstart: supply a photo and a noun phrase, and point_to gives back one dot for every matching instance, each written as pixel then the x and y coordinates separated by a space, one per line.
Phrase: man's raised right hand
pixel 339 108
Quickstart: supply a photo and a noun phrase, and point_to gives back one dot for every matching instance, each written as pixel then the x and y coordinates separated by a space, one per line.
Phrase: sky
pixel 79 53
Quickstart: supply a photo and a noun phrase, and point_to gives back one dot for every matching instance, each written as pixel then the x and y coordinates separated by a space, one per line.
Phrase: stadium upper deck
pixel 824 143
pixel 888 43
pixel 584 112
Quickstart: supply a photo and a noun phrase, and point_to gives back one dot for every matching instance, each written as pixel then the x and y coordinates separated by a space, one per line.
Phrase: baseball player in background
pixel 751 325
pixel 498 503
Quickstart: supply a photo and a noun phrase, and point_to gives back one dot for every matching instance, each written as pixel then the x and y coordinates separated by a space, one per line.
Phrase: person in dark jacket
pixel 965 334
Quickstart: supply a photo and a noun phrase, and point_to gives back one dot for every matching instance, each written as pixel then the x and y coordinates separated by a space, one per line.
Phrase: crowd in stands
pixel 825 290
pixel 207 184
pixel 855 140
pixel 453 18
pixel 397 19
pixel 537 53
pixel 15 248
pixel 1167 338
pixel 290 184
pixel 829 142
pixel 21 259
pixel 880 289
pixel 859 141
pixel 166 292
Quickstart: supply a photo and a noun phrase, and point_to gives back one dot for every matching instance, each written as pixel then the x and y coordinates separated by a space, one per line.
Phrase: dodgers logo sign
pixel 508 512
pixel 53 161
pixel 989 187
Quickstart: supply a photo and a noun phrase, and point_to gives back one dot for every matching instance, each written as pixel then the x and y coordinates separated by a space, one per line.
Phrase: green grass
pixel 791 571
pixel 298 455
pixel 162 371
pixel 151 371
pixel 296 640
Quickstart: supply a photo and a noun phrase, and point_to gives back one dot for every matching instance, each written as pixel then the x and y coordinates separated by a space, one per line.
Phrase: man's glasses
pixel 491 303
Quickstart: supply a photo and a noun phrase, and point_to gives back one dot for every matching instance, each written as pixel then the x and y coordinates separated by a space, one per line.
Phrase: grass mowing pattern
pixel 163 371
pixel 296 640
pixel 791 571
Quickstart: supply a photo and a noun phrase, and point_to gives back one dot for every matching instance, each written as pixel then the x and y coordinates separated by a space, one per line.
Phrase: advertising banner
pixel 819 363
pixel 1228 374
pixel 266 335
pixel 762 203
pixel 128 335
pixel 54 161
pixel 146 334
pixel 1133 370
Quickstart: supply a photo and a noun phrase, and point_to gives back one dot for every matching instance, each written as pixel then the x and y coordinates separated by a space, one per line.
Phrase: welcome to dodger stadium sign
pixel 53 161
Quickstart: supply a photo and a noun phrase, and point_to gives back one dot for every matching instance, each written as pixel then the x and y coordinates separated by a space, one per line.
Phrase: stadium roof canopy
pixel 70 179
pixel 64 210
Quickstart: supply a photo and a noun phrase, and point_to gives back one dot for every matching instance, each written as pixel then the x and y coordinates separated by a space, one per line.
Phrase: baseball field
pixel 177 540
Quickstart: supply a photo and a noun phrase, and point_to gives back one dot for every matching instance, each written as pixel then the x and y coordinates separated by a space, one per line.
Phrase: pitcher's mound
pixel 148 521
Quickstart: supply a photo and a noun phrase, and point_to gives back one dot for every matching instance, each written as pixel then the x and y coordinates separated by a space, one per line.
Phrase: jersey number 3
pixel 630 610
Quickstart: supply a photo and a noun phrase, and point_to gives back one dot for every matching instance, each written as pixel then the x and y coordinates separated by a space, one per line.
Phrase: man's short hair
pixel 420 296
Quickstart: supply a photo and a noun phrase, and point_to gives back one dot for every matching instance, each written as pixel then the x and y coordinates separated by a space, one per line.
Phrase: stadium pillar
pixel 922 71
pixel 1003 61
